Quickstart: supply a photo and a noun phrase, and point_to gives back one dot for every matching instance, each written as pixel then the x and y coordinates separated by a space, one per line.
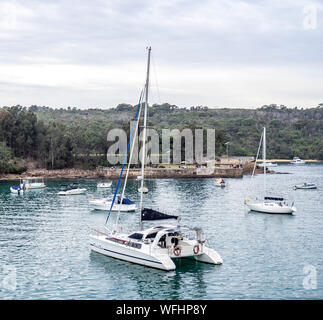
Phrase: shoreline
pixel 150 173
pixel 289 160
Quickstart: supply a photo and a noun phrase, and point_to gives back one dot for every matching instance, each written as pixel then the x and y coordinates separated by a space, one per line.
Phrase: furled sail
pixel 274 198
pixel 150 214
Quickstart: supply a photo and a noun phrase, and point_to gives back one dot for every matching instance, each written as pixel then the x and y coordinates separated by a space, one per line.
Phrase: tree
pixel 5 157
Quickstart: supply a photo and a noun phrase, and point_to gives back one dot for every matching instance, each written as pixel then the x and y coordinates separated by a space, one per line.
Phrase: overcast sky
pixel 92 53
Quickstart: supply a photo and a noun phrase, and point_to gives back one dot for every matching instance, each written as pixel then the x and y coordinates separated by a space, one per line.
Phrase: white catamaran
pixel 156 246
pixel 269 204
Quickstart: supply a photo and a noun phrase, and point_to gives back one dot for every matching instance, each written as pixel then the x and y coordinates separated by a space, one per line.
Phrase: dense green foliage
pixel 60 138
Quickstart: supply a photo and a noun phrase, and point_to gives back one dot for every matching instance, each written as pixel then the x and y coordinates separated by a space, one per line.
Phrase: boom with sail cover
pixel 150 214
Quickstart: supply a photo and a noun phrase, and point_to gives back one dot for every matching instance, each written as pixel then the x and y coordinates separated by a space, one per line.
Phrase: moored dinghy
pixel 220 182
pixel 143 189
pixel 306 186
pixel 104 184
pixel 72 189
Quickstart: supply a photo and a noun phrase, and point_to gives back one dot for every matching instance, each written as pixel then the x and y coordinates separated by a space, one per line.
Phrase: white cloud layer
pixel 216 53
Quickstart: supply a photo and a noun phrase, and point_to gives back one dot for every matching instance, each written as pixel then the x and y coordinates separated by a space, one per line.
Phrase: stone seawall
pixel 150 173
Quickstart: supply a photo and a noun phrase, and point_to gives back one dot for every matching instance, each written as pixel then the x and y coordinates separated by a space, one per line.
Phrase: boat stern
pixel 209 255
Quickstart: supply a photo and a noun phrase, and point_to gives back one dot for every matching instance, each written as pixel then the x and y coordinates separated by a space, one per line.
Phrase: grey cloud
pixel 182 33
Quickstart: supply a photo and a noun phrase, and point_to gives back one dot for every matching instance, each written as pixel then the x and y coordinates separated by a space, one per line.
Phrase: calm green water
pixel 44 242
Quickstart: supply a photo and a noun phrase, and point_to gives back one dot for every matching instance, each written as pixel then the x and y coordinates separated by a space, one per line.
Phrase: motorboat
pixel 126 205
pixel 306 186
pixel 16 190
pixel 104 184
pixel 268 164
pixel 72 189
pixel 220 183
pixel 297 160
pixel 32 183
pixel 269 204
pixel 157 246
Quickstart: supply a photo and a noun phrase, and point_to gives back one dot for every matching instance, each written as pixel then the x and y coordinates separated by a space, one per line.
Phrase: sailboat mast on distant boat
pixel 264 159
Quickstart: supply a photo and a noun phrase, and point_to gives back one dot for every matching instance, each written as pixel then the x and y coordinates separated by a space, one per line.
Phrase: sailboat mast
pixel 144 138
pixel 264 159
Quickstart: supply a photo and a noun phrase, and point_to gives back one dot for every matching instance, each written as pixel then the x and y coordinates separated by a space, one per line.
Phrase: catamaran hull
pixel 105 206
pixel 151 257
pixel 208 256
pixel 129 254
pixel 271 208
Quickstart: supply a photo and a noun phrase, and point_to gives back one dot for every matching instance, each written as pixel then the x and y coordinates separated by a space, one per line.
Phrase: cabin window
pixel 136 235
pixel 151 236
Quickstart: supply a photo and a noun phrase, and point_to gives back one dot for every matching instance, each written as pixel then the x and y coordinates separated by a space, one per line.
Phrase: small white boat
pixel 144 189
pixel 71 190
pixel 220 183
pixel 104 184
pixel 306 186
pixel 16 190
pixel 268 164
pixel 32 183
pixel 297 160
pixel 105 205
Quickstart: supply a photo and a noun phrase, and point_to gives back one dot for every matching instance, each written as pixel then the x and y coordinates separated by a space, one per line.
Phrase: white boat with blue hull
pixel 156 246
pixel 16 190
